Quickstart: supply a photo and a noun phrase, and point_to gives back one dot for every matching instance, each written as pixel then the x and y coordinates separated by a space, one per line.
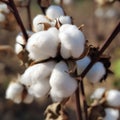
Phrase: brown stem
pixel 18 19
pixel 78 104
pixel 29 14
pixel 41 7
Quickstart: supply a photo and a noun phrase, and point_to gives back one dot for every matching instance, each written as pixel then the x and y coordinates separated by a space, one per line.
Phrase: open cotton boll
pixel 18 48
pixel 4 8
pixel 113 98
pixel 96 72
pixel 54 11
pixel 65 20
pixel 39 23
pixel 40 89
pixel 62 81
pixel 28 99
pixel 36 73
pixel 111 114
pixel 14 92
pixel 42 45
pixel 54 95
pixel 82 64
pixel 98 93
pixel 72 43
pixel 67 27
pixel 2 17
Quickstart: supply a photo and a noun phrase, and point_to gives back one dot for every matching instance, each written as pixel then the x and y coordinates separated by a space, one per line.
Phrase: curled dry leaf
pixel 55 112
pixel 96 112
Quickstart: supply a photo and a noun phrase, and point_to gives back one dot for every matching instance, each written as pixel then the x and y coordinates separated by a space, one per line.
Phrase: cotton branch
pixel 101 51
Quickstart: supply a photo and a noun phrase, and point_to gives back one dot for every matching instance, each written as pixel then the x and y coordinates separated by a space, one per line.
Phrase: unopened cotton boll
pixel 113 98
pixel 39 23
pixel 14 92
pixel 95 74
pixel 42 45
pixel 72 43
pixel 36 73
pixel 54 12
pixel 111 114
pixel 62 82
pixel 2 17
pixel 40 89
pixel 4 8
pixel 98 93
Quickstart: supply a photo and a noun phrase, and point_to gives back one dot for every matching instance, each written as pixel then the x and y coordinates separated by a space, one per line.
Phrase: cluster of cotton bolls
pixel 3 11
pixel 53 42
pixel 110 100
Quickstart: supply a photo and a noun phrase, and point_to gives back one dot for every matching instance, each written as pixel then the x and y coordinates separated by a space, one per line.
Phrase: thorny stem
pixel 101 51
pixel 78 104
pixel 13 9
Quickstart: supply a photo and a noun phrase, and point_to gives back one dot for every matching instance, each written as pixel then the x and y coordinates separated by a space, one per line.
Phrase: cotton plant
pixel 57 57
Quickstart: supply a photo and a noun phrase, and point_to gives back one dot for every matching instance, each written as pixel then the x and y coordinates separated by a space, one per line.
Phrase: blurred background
pixel 99 20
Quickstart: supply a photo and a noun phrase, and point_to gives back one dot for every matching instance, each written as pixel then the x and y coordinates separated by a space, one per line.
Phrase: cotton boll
pixel 98 93
pixel 66 27
pixel 40 89
pixel 96 72
pixel 39 23
pixel 4 8
pixel 72 43
pixel 36 73
pixel 42 45
pixel 61 81
pixel 54 11
pixel 65 20
pixel 113 98
pixel 2 17
pixel 54 95
pixel 111 114
pixel 14 92
pixel 28 99
pixel 82 64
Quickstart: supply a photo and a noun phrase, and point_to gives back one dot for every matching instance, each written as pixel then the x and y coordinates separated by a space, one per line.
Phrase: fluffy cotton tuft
pixel 42 45
pixel 28 99
pixel 95 73
pixel 82 64
pixel 2 17
pixel 72 42
pixel 36 73
pixel 40 89
pixel 39 23
pixel 20 41
pixel 54 11
pixel 113 98
pixel 65 20
pixel 60 81
pixel 98 93
pixel 111 114
pixel 14 92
